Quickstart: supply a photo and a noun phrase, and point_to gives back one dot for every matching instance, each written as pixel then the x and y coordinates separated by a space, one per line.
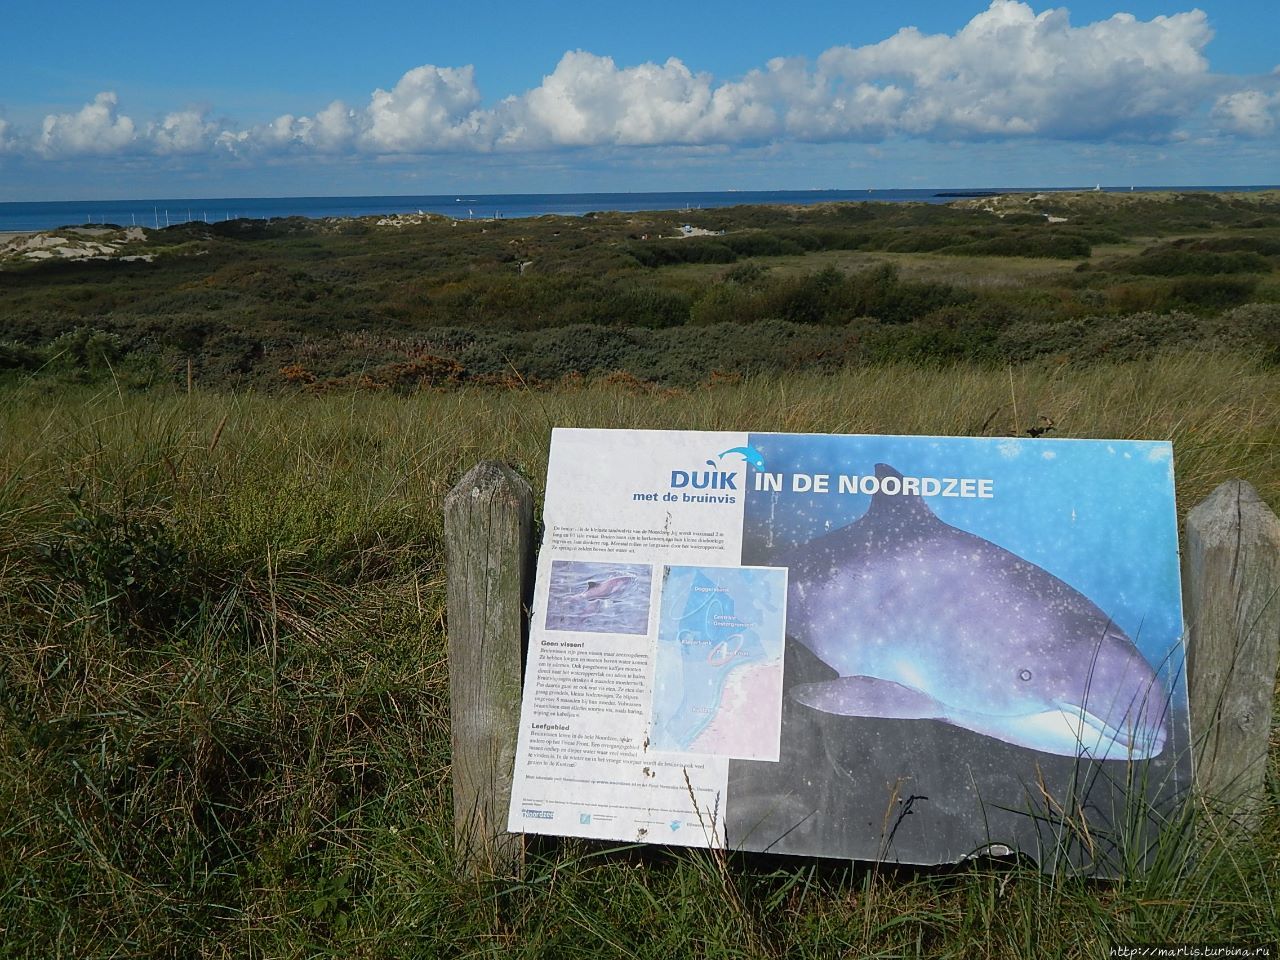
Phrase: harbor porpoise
pixel 608 588
pixel 923 620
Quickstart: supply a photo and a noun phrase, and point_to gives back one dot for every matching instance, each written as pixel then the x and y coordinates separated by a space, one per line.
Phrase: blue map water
pixel 166 211
pixel 714 620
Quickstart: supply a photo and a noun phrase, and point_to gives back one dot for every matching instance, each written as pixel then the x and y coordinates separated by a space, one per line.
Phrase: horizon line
pixel 1146 188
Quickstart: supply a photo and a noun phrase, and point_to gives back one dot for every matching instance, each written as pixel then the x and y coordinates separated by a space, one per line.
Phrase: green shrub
pixel 722 303
pixel 125 566
pixel 923 240
pixel 1140 297
pixel 828 238
pixel 749 274
pixel 1125 337
pixel 827 296
pixel 1266 246
pixel 551 354
pixel 945 335
pixel 19 356
pixel 673 356
pixel 647 307
pixel 1171 261
pixel 1254 328
pixel 757 243
pixel 1215 293
pixel 880 292
pixel 808 299
pixel 87 351
pixel 662 253
pixel 1044 243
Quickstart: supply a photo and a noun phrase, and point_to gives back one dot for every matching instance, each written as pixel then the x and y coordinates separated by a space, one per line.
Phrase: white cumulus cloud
pixel 1250 113
pixel 430 108
pixel 1013 72
pixel 185 131
pixel 1009 73
pixel 284 130
pixel 812 103
pixel 588 100
pixel 96 129
pixel 332 130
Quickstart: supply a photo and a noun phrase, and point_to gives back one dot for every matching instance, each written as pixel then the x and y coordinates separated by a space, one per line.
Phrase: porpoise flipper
pixel 868 697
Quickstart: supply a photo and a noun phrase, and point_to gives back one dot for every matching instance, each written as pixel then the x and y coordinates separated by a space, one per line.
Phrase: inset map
pixel 599 597
pixel 718 668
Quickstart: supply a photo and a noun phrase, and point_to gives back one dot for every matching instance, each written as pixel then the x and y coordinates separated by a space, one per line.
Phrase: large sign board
pixel 900 648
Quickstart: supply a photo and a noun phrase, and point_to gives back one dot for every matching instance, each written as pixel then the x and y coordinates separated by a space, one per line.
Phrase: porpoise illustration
pixel 750 454
pixel 923 620
pixel 608 588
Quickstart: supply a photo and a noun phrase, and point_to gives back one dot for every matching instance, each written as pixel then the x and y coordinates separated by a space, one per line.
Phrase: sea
pixel 160 212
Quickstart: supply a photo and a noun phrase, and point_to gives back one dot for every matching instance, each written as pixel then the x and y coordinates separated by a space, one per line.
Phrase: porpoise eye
pixel 1024 674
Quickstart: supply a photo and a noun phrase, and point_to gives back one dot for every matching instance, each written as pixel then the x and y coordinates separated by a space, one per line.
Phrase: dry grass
pixel 223 710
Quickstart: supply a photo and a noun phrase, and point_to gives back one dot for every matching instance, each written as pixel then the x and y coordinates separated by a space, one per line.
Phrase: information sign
pixel 904 648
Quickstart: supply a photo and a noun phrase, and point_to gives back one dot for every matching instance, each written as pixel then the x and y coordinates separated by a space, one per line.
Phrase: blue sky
pixel 144 99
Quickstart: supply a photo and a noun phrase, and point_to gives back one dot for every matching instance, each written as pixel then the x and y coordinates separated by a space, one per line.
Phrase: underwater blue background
pixel 1098 514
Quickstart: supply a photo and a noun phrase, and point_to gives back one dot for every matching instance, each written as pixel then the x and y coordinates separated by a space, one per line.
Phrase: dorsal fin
pixel 897 507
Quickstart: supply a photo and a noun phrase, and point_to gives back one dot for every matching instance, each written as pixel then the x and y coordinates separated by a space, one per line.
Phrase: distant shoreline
pixel 24 217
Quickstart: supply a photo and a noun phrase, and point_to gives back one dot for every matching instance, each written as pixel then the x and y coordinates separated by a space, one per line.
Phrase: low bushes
pixel 828 296
pixel 327 305
pixel 982 240
pixel 1173 261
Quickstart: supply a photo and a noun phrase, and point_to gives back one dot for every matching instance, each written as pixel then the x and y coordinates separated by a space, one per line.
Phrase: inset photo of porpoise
pixel 607 588
pixel 599 596
pixel 923 620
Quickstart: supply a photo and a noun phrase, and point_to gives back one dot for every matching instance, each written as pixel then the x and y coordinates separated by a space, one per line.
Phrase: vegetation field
pixel 224 718
pixel 673 298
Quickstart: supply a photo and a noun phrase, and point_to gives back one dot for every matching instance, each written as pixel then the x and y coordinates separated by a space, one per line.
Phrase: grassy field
pixel 223 687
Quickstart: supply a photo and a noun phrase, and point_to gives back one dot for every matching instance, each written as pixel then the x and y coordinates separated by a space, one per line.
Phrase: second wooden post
pixel 1231 582
pixel 488 519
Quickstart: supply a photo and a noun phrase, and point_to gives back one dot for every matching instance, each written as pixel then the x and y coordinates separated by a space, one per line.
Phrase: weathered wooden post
pixel 1231 583
pixel 488 520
